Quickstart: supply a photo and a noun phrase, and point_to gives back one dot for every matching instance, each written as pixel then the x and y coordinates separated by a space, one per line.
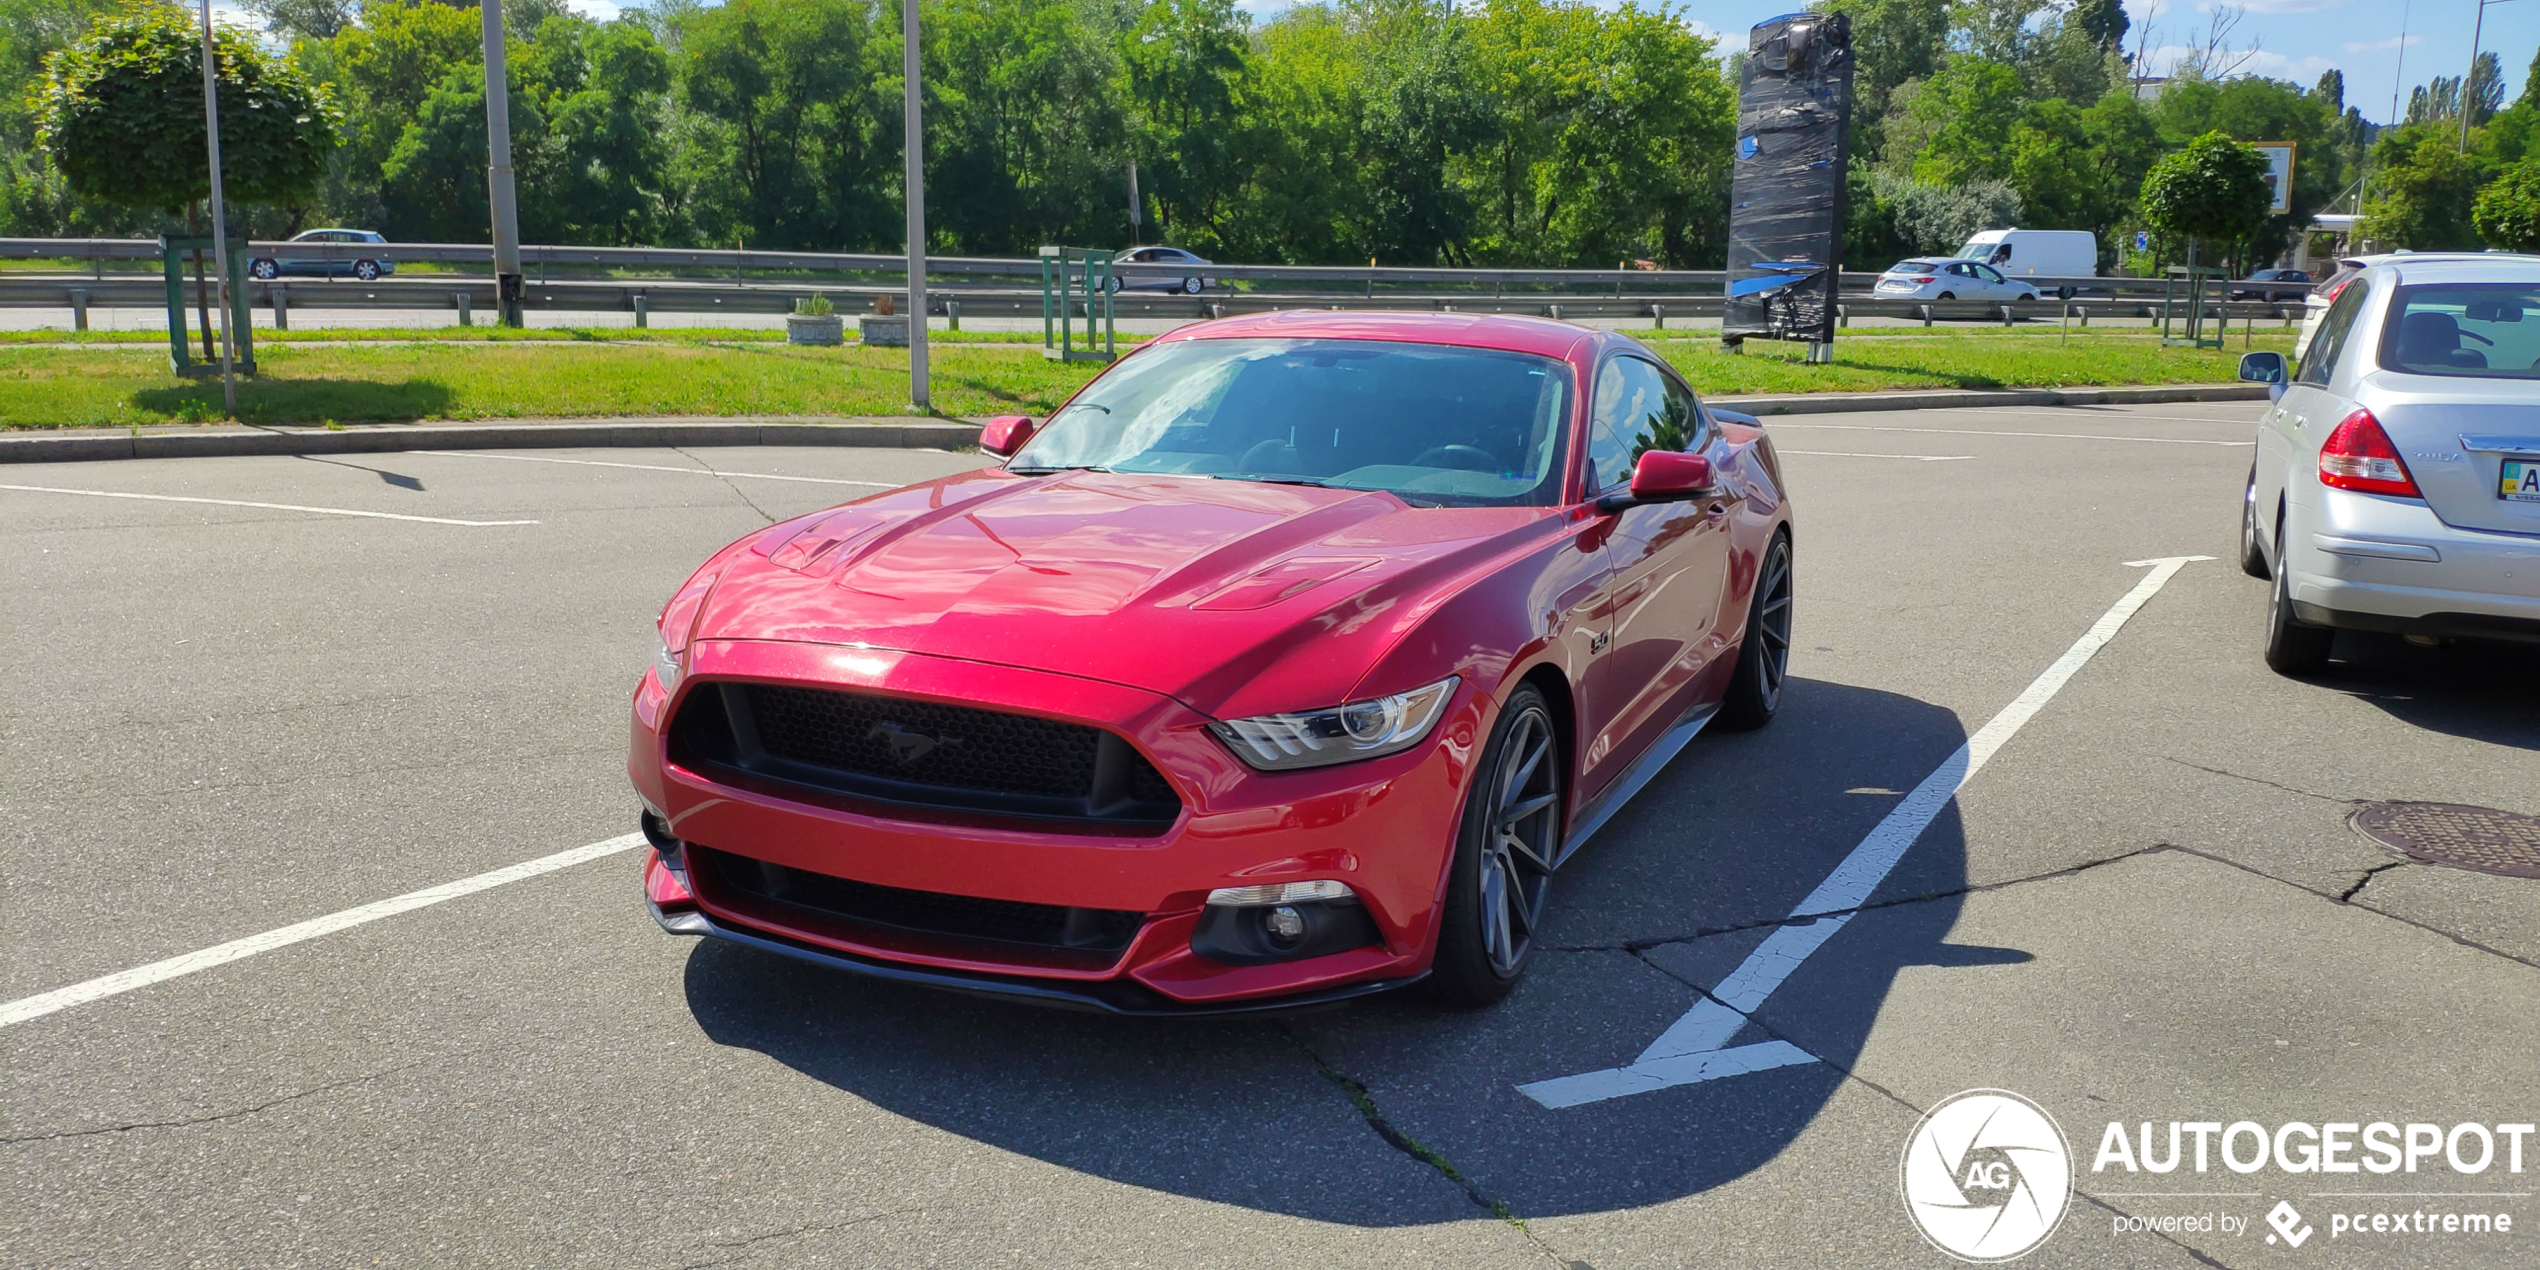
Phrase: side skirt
pixel 1662 752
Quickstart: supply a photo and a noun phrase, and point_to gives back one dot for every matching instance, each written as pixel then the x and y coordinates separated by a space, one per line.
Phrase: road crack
pixel 270 1104
pixel 743 1246
pixel 2365 879
pixel 737 492
pixel 2260 780
pixel 1394 1137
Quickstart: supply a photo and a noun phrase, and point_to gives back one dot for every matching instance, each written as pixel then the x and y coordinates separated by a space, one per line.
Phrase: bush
pixel 815 306
pixel 1936 219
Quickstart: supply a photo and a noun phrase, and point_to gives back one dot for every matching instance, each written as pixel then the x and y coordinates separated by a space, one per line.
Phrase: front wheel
pixel 1502 871
pixel 2293 648
pixel 1190 286
pixel 1763 660
pixel 264 270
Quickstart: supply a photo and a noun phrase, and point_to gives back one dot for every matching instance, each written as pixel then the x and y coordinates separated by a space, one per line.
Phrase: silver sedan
pixel 2397 481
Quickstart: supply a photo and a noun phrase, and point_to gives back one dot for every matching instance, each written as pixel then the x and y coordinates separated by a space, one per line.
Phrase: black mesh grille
pixel 921 753
pixel 1089 930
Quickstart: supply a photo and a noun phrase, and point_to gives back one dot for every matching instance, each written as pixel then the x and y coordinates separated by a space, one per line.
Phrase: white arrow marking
pixel 1692 1050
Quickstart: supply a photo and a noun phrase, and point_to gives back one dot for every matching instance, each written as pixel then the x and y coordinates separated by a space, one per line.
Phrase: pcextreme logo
pixel 1986 1175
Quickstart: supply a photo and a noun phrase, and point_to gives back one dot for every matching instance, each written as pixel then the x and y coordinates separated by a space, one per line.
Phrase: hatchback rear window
pixel 2326 288
pixel 2483 330
pixel 1917 266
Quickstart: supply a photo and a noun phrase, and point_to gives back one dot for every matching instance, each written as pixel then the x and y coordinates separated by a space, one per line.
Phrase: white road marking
pixel 2103 412
pixel 656 467
pixel 36 1007
pixel 275 507
pixel 1692 1050
pixel 1848 454
pixel 1779 424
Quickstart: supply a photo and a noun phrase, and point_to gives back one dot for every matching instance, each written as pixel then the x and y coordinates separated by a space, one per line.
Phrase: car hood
pixel 1235 597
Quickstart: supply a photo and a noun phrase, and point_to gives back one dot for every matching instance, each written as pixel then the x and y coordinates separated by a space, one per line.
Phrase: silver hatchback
pixel 2397 480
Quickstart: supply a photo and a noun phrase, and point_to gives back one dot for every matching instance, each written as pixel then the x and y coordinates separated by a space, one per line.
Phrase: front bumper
pixel 1384 827
pixel 2373 562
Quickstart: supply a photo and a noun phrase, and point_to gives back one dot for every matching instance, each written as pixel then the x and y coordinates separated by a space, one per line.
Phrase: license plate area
pixel 2519 482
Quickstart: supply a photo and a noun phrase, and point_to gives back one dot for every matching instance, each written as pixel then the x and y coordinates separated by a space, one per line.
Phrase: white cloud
pixel 596 10
pixel 2377 46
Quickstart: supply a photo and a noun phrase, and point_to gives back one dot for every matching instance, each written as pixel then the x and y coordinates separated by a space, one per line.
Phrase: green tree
pixel 794 135
pixel 2507 213
pixel 2080 169
pixel 611 161
pixel 1185 62
pixel 2423 190
pixel 1027 136
pixel 2215 191
pixel 433 183
pixel 1894 42
pixel 1958 124
pixel 121 116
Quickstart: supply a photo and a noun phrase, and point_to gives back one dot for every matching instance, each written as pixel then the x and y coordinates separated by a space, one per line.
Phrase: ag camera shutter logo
pixel 1986 1175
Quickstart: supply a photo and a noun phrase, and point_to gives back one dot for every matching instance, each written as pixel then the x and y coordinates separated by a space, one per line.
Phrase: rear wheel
pixel 1190 286
pixel 2293 648
pixel 1763 661
pixel 1502 871
pixel 366 270
pixel 2253 555
pixel 1948 295
pixel 264 269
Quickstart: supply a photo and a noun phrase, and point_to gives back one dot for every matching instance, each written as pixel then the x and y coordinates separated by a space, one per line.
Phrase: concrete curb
pixel 887 433
pixel 1948 399
pixel 174 443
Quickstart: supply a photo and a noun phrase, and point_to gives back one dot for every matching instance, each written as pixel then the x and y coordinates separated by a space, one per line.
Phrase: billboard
pixel 2279 155
pixel 1794 120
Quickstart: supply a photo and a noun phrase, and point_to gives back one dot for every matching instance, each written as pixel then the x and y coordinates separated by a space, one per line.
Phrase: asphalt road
pixel 2148 906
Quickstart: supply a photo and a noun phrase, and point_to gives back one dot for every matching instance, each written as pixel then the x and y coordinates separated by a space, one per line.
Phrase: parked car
pixel 2271 284
pixel 2031 254
pixel 1160 279
pixel 356 256
pixel 2397 480
pixel 1284 663
pixel 1930 279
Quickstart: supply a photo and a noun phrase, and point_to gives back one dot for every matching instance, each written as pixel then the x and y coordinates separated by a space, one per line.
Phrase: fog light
pixel 1284 924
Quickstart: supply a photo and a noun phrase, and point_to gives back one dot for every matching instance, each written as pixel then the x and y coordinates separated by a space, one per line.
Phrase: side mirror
pixel 1005 434
pixel 2262 368
pixel 1665 476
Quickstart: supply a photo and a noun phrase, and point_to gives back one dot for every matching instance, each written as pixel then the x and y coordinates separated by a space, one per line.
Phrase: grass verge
pixel 114 382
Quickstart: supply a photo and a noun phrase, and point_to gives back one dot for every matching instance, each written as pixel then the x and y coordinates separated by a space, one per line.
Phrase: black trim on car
pixel 2520 630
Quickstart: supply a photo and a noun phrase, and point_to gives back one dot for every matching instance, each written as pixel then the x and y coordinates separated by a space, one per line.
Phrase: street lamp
pixel 915 145
pixel 2476 30
pixel 220 231
pixel 498 169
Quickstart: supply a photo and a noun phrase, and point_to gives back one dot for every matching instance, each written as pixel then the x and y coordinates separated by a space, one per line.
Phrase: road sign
pixel 2142 241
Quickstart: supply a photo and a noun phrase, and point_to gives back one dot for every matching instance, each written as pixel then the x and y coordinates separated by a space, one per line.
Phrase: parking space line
pixel 276 507
pixel 1696 1047
pixel 1848 454
pixel 122 981
pixel 1779 424
pixel 658 467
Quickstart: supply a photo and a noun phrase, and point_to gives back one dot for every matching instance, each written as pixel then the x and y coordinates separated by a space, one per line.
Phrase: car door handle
pixel 1716 510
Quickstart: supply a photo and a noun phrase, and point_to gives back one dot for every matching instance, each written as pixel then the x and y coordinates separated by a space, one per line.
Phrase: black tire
pixel 1190 286
pixel 1763 660
pixel 264 270
pixel 2253 554
pixel 1948 295
pixel 366 270
pixel 1502 871
pixel 2293 648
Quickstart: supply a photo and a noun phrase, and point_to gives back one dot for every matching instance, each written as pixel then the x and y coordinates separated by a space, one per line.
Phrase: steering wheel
pixel 1464 457
pixel 1264 454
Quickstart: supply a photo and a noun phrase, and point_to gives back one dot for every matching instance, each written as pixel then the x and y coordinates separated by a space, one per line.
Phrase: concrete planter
pixel 803 328
pixel 883 332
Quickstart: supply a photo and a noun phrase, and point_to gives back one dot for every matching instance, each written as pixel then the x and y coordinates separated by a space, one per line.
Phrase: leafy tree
pixel 2507 213
pixel 433 182
pixel 2531 84
pixel 1027 135
pixel 611 161
pixel 1958 124
pixel 795 136
pixel 1185 62
pixel 305 19
pixel 2214 190
pixel 1936 219
pixel 121 116
pixel 2080 169
pixel 2423 190
pixel 1894 42
pixel 2331 90
pixel 2105 22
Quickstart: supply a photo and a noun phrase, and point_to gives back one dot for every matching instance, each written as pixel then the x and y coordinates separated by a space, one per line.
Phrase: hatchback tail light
pixel 2358 456
pixel 1932 279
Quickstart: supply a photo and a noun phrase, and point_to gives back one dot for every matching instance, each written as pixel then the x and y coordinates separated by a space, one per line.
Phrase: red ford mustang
pixel 1285 663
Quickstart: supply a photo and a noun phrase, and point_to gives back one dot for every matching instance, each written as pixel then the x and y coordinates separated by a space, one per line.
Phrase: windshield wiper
pixel 1281 480
pixel 1062 467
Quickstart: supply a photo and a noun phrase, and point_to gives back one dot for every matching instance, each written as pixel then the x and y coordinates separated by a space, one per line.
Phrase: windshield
pixel 2481 330
pixel 1977 249
pixel 1432 423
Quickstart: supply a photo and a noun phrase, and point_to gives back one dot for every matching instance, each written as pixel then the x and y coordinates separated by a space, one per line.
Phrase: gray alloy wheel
pixel 366 270
pixel 1190 286
pixel 264 270
pixel 1502 871
pixel 2253 555
pixel 2293 648
pixel 1763 660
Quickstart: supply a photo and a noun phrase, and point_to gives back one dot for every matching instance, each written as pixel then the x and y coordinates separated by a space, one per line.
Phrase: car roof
pixel 2497 268
pixel 1502 331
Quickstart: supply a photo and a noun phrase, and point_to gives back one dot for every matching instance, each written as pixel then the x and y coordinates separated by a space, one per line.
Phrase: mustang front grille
pixel 1102 932
pixel 921 754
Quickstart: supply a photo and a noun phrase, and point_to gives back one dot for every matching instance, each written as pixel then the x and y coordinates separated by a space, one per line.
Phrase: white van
pixel 2036 253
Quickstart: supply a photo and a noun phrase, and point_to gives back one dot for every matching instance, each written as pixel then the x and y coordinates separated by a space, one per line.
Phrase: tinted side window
pixel 1632 415
pixel 2319 361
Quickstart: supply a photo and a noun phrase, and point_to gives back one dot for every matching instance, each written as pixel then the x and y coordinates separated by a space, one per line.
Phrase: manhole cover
pixel 2464 837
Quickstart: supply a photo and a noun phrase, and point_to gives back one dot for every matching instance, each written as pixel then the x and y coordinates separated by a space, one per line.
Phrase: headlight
pixel 666 669
pixel 1340 734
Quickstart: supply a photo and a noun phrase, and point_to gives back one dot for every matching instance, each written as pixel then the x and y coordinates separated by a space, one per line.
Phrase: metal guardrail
pixel 613 280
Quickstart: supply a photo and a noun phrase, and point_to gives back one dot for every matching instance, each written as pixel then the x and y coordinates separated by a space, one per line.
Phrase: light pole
pixel 220 232
pixel 915 144
pixel 2477 29
pixel 498 169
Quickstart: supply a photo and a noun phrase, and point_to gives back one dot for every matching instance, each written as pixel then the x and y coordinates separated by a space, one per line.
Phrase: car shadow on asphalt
pixel 2479 690
pixel 1401 1111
